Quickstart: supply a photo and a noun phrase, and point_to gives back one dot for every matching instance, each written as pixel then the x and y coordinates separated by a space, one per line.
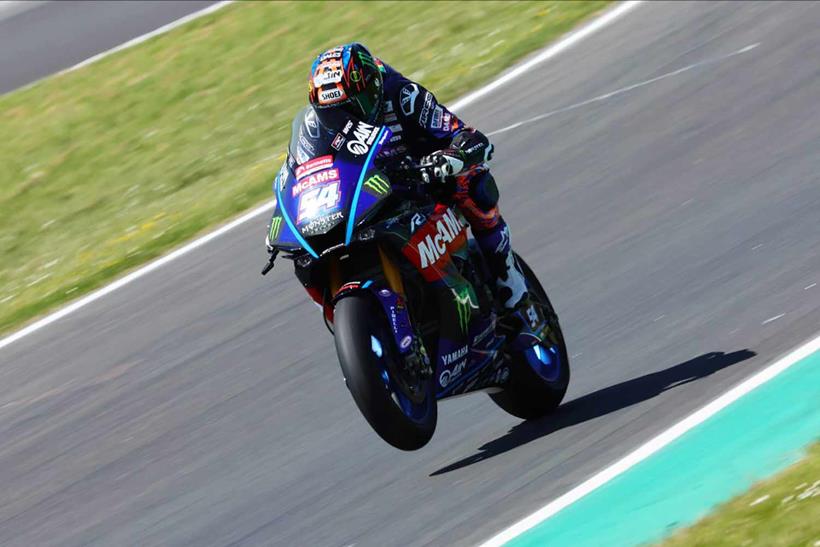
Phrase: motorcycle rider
pixel 348 80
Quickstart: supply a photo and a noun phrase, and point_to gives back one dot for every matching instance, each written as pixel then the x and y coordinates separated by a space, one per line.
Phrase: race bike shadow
pixel 602 402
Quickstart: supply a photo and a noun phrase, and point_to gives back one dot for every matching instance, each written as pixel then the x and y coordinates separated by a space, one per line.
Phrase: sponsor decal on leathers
pixel 425 111
pixel 445 121
pixel 408 98
pixel 312 124
pixel 437 114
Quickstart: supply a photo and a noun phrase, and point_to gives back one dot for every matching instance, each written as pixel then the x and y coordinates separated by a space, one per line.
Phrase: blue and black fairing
pixel 328 182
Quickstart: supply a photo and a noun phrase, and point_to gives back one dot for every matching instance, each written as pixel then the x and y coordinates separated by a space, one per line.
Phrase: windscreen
pixel 309 138
pixel 330 182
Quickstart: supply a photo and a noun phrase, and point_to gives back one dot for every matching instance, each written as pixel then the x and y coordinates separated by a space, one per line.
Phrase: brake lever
pixel 269 266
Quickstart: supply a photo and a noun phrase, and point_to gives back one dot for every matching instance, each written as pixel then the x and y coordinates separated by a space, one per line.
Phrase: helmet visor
pixel 367 104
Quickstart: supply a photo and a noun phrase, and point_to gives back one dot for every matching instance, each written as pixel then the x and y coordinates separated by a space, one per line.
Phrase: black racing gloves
pixel 442 164
pixel 469 148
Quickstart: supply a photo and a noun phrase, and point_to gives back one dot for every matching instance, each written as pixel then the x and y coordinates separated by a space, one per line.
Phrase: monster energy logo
pixel 275 226
pixel 464 306
pixel 377 184
pixel 366 59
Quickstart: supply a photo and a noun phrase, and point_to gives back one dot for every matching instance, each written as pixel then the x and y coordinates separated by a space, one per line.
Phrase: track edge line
pixel 656 443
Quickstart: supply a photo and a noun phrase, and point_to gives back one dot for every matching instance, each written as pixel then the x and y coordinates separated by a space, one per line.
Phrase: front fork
pixel 392 300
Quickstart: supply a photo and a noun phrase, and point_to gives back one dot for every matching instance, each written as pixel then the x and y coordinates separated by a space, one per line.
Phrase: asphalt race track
pixel 203 404
pixel 42 38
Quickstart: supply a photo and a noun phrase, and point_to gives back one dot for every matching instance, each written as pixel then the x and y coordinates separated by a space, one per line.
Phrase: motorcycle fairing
pixel 466 341
pixel 459 371
pixel 435 240
pixel 328 188
pixel 346 188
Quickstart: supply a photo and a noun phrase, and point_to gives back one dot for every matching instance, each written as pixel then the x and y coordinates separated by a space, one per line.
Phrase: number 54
pixel 316 199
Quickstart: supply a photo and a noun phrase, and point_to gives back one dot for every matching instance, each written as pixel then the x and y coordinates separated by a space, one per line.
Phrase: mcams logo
pixel 434 245
pixel 322 177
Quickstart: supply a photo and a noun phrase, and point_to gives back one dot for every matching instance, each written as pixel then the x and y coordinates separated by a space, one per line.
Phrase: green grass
pixel 109 166
pixel 781 511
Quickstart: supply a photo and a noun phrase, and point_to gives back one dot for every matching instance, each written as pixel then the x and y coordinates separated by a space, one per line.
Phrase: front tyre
pixel 400 406
pixel 539 376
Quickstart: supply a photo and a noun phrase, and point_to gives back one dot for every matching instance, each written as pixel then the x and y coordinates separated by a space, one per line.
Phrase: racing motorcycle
pixel 405 292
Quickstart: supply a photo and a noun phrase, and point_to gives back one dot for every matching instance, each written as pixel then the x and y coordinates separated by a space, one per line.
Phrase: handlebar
pixel 410 172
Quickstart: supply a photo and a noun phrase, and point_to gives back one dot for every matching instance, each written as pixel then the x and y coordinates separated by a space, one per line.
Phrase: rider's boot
pixel 510 285
pixel 518 311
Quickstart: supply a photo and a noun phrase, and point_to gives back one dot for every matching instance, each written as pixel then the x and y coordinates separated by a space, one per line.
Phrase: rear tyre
pixel 399 407
pixel 539 376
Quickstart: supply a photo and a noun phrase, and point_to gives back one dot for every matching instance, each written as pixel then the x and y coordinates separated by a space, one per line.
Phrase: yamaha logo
pixel 408 98
pixel 312 124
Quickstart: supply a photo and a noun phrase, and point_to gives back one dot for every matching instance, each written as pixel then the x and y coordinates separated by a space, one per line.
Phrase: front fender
pixel 395 310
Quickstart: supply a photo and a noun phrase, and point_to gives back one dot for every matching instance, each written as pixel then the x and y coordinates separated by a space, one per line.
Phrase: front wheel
pixel 539 375
pixel 399 405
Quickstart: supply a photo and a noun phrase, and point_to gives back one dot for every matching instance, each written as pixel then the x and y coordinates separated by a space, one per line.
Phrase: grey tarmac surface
pixel 203 405
pixel 51 36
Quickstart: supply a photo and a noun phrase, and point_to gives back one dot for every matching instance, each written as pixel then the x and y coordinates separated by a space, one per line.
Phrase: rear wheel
pixel 399 404
pixel 539 375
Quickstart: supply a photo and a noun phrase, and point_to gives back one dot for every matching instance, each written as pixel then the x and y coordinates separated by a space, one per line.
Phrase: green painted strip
pixel 755 437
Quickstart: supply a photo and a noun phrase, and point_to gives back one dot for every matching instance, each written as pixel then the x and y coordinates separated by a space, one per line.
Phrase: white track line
pixel 10 8
pixel 558 47
pixel 147 36
pixel 133 276
pixel 626 89
pixel 125 45
pixel 573 38
pixel 655 444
